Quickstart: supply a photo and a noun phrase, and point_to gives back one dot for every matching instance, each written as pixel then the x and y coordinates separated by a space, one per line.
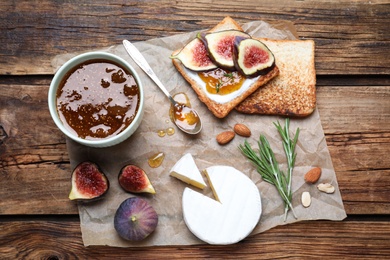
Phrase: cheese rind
pixel 230 220
pixel 186 170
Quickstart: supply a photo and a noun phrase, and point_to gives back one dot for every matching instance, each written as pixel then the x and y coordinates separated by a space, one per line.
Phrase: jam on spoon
pixel 187 119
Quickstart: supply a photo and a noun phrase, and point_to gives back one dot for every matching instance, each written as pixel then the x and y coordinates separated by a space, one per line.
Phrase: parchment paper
pixel 97 218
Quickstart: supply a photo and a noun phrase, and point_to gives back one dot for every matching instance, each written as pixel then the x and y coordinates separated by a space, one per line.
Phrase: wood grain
pixel 351 37
pixel 34 161
pixel 350 239
pixel 37 220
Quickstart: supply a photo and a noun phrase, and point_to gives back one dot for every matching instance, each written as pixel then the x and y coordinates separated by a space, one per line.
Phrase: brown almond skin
pixel 313 175
pixel 242 130
pixel 225 137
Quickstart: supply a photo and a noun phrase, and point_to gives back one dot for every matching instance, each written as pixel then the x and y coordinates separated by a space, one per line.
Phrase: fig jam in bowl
pixel 96 99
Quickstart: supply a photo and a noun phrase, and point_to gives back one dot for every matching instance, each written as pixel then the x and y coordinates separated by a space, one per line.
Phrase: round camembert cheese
pixel 185 170
pixel 230 219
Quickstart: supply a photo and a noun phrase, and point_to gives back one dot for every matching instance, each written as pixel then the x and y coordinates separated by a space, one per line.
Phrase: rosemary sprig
pixel 229 75
pixel 268 167
pixel 218 86
pixel 221 82
pixel 289 150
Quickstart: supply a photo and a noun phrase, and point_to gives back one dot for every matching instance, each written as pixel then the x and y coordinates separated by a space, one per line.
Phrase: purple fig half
pixel 89 183
pixel 135 219
pixel 220 46
pixel 133 179
pixel 194 56
pixel 252 57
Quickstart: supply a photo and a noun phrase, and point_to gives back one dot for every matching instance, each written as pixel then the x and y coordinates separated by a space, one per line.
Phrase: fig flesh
pixel 135 219
pixel 252 57
pixel 88 182
pixel 194 56
pixel 220 46
pixel 133 179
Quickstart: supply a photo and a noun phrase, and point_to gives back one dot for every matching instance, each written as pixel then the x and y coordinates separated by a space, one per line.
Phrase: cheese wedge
pixel 186 170
pixel 231 219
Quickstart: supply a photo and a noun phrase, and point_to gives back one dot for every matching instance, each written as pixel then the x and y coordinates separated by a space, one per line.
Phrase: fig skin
pixel 89 183
pixel 262 70
pixel 135 219
pixel 194 56
pixel 222 39
pixel 133 179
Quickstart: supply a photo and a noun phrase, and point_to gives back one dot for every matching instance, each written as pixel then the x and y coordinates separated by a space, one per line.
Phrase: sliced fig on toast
pixel 252 57
pixel 89 183
pixel 194 56
pixel 220 46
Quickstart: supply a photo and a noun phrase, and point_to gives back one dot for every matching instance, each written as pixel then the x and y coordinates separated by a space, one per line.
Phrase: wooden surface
pixel 37 221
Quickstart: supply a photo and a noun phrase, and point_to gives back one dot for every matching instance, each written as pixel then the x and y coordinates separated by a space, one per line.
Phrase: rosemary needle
pixel 268 167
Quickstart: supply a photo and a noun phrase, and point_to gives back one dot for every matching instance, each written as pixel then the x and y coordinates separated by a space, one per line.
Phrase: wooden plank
pixel 35 163
pixel 350 239
pixel 363 109
pixel 351 37
pixel 356 123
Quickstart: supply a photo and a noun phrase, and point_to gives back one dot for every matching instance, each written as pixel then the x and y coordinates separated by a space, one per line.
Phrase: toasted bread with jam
pixel 287 89
pixel 220 109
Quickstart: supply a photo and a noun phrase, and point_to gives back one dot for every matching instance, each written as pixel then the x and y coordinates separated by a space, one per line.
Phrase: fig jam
pixel 181 114
pixel 97 99
pixel 222 82
pixel 185 118
pixel 156 160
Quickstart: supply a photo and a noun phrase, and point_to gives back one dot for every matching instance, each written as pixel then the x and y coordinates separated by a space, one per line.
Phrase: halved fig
pixel 194 56
pixel 220 46
pixel 252 57
pixel 133 179
pixel 88 182
pixel 135 219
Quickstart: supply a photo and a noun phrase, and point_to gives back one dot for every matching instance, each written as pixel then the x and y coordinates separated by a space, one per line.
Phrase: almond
pixel 326 187
pixel 306 199
pixel 225 137
pixel 242 130
pixel 313 175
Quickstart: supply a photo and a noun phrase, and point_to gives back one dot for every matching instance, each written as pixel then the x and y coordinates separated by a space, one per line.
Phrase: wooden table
pixel 352 38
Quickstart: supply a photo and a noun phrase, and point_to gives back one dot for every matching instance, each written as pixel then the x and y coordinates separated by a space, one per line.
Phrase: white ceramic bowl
pixel 104 142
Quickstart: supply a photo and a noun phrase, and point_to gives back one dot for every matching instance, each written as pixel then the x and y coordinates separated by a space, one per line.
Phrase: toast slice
pixel 222 108
pixel 293 91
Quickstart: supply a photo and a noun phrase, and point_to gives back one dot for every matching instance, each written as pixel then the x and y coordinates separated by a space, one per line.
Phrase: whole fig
pixel 135 219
